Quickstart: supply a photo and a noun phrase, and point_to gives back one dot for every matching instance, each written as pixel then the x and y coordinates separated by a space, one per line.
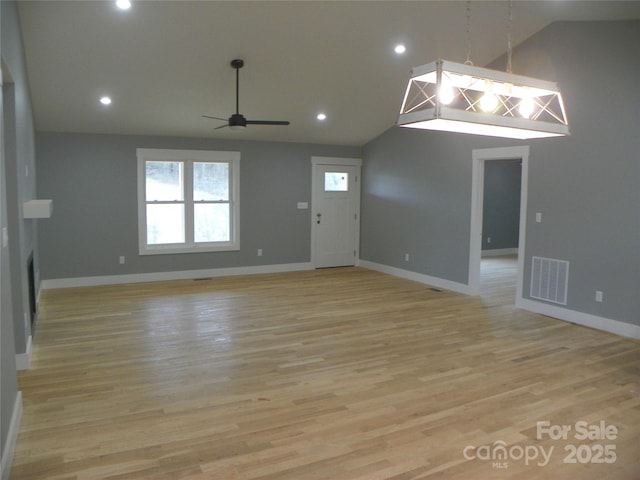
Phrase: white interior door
pixel 335 216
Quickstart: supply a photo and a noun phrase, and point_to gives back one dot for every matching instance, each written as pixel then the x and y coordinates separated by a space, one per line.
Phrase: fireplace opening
pixel 32 291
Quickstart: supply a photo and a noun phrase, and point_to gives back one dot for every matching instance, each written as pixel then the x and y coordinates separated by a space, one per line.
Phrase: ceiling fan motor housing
pixel 237 120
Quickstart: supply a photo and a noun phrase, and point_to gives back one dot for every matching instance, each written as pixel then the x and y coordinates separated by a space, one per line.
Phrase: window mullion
pixel 188 200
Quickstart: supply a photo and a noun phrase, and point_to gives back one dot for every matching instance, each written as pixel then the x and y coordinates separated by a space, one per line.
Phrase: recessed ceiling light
pixel 123 4
pixel 105 100
pixel 400 49
pixel 321 116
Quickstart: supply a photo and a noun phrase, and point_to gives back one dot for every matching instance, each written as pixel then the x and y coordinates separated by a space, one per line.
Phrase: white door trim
pixel 341 161
pixel 479 156
pixel 349 162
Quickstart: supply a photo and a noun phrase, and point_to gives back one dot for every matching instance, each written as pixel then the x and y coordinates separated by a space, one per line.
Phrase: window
pixel 188 201
pixel 336 181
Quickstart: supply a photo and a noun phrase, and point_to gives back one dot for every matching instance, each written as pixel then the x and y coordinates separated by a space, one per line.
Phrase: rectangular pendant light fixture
pixel 463 98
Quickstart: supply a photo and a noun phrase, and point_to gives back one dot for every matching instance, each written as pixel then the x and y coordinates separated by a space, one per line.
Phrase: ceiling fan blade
pixel 215 118
pixel 268 122
pixel 222 126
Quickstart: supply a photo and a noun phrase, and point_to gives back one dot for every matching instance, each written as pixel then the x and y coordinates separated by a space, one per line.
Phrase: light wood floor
pixel 341 374
pixel 498 276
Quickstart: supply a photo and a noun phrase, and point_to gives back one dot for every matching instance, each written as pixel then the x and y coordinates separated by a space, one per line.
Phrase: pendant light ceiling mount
pixel 463 98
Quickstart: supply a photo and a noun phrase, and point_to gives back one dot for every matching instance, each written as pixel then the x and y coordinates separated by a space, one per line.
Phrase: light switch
pixel 539 217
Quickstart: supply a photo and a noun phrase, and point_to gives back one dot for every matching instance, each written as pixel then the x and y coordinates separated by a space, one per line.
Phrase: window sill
pixel 175 249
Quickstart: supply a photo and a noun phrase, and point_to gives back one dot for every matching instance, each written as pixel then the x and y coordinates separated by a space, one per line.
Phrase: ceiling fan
pixel 237 121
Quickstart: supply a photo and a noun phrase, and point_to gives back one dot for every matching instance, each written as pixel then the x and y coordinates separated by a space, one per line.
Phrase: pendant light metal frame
pixel 448 96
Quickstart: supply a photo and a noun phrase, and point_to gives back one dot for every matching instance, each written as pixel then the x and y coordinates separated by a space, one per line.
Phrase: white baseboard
pixel 600 323
pixel 23 360
pixel 177 275
pixel 498 252
pixel 12 437
pixel 417 277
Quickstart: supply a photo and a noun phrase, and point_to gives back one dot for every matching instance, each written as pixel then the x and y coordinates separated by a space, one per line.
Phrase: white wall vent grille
pixel 549 279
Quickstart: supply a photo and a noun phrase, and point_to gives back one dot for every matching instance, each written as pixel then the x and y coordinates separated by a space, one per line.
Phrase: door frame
pixel 479 156
pixel 335 161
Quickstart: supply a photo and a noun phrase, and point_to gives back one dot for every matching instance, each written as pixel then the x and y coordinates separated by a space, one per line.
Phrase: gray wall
pixel 92 180
pixel 19 157
pixel 417 184
pixel 416 199
pixel 588 186
pixel 8 382
pixel 8 379
pixel 17 153
pixel 501 204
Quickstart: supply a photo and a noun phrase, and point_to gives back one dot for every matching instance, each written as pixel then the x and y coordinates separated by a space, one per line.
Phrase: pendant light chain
pixel 510 21
pixel 468 60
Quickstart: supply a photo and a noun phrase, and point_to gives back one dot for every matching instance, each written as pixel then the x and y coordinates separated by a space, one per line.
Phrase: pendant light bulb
pixel 527 103
pixel 526 106
pixel 488 102
pixel 445 94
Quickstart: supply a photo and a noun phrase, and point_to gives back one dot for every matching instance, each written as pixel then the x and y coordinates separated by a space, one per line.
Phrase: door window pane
pixel 163 181
pixel 210 181
pixel 211 222
pixel 336 181
pixel 165 223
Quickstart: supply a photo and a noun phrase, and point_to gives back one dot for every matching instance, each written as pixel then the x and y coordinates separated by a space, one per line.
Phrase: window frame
pixel 188 158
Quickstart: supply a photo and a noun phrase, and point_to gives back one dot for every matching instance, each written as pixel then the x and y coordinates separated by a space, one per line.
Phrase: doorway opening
pixel 500 230
pixel 510 261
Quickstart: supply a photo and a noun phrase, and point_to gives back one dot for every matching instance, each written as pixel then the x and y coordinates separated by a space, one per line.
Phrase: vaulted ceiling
pixel 166 63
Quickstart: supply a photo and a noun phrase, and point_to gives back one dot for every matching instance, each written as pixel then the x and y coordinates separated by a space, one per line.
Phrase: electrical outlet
pixel 259 252
pixel 599 296
pixel 488 239
pixel 406 257
pixel 121 260
pixel 539 217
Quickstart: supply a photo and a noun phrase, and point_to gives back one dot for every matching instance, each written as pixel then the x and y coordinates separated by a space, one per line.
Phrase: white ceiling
pixel 166 63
